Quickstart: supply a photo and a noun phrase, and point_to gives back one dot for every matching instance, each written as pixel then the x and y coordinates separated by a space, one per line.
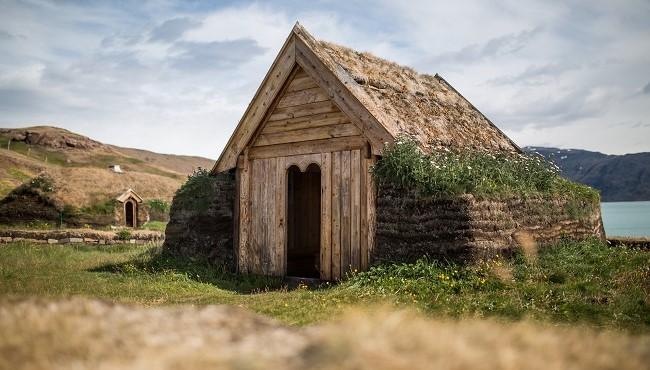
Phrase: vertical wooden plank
pixel 244 216
pixel 280 217
pixel 258 213
pixel 254 232
pixel 371 197
pixel 326 217
pixel 336 216
pixel 345 212
pixel 235 214
pixel 355 208
pixel 363 210
pixel 271 228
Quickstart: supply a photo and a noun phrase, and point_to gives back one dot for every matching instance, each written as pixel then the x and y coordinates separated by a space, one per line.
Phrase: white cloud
pixel 178 75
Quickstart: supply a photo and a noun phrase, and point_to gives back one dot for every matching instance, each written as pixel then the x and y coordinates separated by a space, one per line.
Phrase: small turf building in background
pixel 37 203
pixel 343 159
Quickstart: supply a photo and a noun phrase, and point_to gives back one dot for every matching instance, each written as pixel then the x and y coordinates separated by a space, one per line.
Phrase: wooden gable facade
pixel 304 127
pixel 302 153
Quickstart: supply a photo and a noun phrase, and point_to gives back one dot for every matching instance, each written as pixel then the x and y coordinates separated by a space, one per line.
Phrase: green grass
pixel 586 283
pixel 18 174
pixel 448 174
pixel 155 226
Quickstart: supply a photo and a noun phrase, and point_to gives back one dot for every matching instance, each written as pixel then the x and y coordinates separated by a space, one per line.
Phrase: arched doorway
pixel 303 221
pixel 129 213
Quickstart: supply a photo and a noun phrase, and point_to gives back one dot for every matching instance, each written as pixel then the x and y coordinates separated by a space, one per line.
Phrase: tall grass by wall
pixel 482 174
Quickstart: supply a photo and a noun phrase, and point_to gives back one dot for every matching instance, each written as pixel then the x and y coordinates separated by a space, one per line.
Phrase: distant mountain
pixel 618 177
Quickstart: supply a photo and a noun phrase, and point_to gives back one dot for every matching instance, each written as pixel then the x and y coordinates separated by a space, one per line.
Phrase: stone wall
pixel 466 228
pixel 86 236
pixel 201 220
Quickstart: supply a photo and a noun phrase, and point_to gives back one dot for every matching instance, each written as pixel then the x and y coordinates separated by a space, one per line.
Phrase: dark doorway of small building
pixel 128 214
pixel 303 222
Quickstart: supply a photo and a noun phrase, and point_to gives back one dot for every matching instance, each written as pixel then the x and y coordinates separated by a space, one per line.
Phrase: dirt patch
pixel 79 333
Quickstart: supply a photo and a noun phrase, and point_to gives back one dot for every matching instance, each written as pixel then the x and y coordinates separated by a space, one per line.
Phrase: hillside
pixel 618 177
pixel 80 169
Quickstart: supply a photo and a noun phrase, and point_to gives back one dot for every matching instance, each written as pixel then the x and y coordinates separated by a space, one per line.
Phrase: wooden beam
pixel 336 216
pixel 307 134
pixel 355 209
pixel 345 213
pixel 244 214
pixel 303 110
pixel 317 120
pixel 308 147
pixel 371 195
pixel 301 82
pixel 313 95
pixel 363 210
pixel 326 217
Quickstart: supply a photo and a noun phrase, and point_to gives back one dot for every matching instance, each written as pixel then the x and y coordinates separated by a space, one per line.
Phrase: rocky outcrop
pixel 51 137
pixel 201 220
pixel 465 228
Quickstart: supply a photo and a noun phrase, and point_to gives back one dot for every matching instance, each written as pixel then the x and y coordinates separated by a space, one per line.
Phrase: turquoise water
pixel 626 218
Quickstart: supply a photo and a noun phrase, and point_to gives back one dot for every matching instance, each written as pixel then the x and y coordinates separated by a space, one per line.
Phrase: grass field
pixel 579 283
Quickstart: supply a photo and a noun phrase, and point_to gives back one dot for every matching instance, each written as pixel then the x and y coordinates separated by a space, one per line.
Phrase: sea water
pixel 626 218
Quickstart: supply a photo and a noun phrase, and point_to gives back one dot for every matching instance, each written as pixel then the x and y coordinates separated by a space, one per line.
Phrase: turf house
pixel 293 192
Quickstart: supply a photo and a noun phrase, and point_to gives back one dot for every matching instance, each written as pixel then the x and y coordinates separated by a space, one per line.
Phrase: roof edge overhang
pixel 129 194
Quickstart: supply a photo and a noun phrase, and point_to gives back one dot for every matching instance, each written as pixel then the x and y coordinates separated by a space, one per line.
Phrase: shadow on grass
pixel 157 262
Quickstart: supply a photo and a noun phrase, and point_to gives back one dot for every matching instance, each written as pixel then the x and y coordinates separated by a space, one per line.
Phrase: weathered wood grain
pixel 355 208
pixel 363 211
pixel 371 195
pixel 308 147
pixel 308 134
pixel 336 216
pixel 280 216
pixel 301 82
pixel 244 215
pixel 345 212
pixel 326 217
pixel 316 120
pixel 303 110
pixel 301 97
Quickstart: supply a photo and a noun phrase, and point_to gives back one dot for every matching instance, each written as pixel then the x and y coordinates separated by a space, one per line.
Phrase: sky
pixel 175 77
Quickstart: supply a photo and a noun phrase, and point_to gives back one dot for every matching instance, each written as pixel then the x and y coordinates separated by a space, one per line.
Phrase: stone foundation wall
pixel 466 228
pixel 87 236
pixel 201 222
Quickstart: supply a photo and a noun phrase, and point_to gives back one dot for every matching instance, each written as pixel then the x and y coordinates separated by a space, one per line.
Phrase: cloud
pixel 4 35
pixel 550 71
pixel 172 29
pixel 198 56
pixel 507 44
pixel 535 74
